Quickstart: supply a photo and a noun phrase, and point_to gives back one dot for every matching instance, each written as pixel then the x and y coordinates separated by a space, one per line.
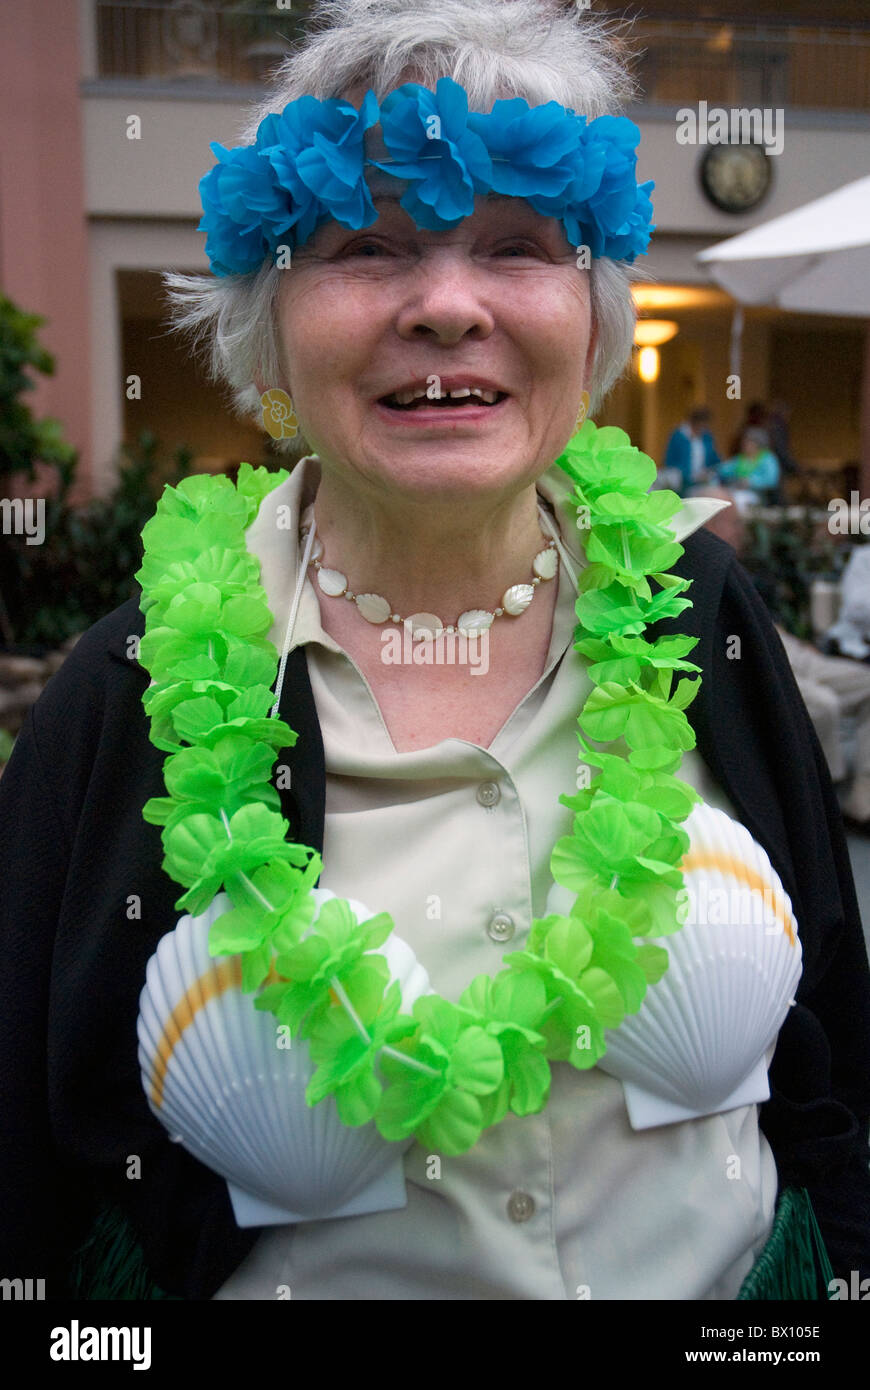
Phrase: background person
pixel 833 687
pixel 755 466
pixel 691 451
pixel 851 631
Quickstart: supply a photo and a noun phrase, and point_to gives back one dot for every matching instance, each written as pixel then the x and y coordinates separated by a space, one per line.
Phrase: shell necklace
pixel 445 1071
pixel 376 609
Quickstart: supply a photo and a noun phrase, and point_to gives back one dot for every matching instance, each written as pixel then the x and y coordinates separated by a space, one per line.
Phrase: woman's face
pixel 497 305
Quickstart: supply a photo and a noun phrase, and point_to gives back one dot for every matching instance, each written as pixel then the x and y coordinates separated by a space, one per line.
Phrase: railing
pixel 731 65
pixel 239 41
pixel 184 41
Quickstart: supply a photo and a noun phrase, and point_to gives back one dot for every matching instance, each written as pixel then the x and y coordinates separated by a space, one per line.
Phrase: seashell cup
pixel 217 1078
pixel 704 1036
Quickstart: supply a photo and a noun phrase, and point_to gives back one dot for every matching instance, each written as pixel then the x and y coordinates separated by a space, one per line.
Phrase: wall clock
pixel 736 178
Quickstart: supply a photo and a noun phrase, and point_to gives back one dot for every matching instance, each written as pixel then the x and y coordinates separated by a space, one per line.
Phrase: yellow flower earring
pixel 583 411
pixel 279 417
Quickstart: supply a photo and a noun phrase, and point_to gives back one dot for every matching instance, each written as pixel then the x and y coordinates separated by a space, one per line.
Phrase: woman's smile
pixel 417 358
pixel 445 404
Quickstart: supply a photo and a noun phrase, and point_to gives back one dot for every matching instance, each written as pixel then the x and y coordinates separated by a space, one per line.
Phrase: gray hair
pixel 538 49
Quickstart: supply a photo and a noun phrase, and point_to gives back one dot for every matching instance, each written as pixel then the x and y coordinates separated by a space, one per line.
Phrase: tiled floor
pixel 859 853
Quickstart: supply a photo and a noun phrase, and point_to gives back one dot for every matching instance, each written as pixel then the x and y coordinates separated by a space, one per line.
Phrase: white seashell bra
pixel 700 1042
pixel 226 1083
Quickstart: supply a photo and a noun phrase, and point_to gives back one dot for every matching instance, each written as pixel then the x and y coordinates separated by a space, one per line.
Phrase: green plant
pixel 784 560
pixel 86 563
pixel 24 441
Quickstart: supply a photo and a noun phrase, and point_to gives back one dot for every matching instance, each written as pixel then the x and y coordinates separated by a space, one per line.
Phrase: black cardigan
pixel 84 901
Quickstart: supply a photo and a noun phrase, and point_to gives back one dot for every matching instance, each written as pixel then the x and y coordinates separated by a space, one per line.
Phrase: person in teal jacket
pixel 755 467
pixel 691 450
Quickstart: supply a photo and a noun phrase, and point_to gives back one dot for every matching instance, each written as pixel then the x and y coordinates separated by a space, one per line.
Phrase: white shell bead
pixel 545 564
pixel 316 549
pixel 473 620
pixel 373 608
pixel 422 622
pixel 332 582
pixel 517 599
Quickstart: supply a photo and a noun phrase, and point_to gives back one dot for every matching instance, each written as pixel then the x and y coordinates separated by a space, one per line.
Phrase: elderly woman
pixel 419 259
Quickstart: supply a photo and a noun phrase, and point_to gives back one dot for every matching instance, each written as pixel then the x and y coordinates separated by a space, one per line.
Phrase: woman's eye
pixel 365 248
pixel 519 248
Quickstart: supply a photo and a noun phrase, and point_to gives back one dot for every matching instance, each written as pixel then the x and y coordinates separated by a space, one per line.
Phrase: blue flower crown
pixel 308 164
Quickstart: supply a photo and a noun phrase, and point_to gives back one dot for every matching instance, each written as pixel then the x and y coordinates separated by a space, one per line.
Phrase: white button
pixel 489 793
pixel 501 927
pixel 520 1206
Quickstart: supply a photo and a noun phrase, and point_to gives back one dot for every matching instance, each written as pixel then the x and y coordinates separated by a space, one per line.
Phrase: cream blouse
pixel 454 841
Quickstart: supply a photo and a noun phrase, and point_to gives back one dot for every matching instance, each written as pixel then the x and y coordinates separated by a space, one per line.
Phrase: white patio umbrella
pixel 815 259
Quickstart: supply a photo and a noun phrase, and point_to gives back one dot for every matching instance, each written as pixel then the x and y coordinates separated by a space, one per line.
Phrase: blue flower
pixel 603 207
pixel 632 238
pixel 533 148
pixel 587 162
pixel 308 164
pixel 243 209
pixel 615 220
pixel 316 150
pixel 428 135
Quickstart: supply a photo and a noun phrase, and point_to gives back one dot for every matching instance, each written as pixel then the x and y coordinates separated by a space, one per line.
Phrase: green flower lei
pixel 448 1070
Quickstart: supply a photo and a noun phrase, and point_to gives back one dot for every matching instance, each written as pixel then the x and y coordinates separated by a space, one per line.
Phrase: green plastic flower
pixel 169 539
pixel 622 659
pixel 202 851
pixel 243 670
pixel 444 1110
pixel 632 558
pixel 614 711
pixel 253 484
pixel 347 1060
pixel 509 1007
pixel 582 1000
pixel 614 609
pixel 203 721
pixel 602 459
pixel 228 570
pixel 339 949
pixel 234 772
pixel 250 924
pixel 612 838
pixel 202 608
pixel 170 655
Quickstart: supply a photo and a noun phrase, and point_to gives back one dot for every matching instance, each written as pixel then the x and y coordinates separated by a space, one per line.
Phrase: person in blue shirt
pixel 756 466
pixel 691 451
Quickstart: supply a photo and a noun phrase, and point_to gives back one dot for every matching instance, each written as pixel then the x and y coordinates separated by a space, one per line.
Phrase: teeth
pixel 460 393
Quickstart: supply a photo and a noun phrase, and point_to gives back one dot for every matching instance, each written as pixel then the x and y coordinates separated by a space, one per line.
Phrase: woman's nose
pixel 446 303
